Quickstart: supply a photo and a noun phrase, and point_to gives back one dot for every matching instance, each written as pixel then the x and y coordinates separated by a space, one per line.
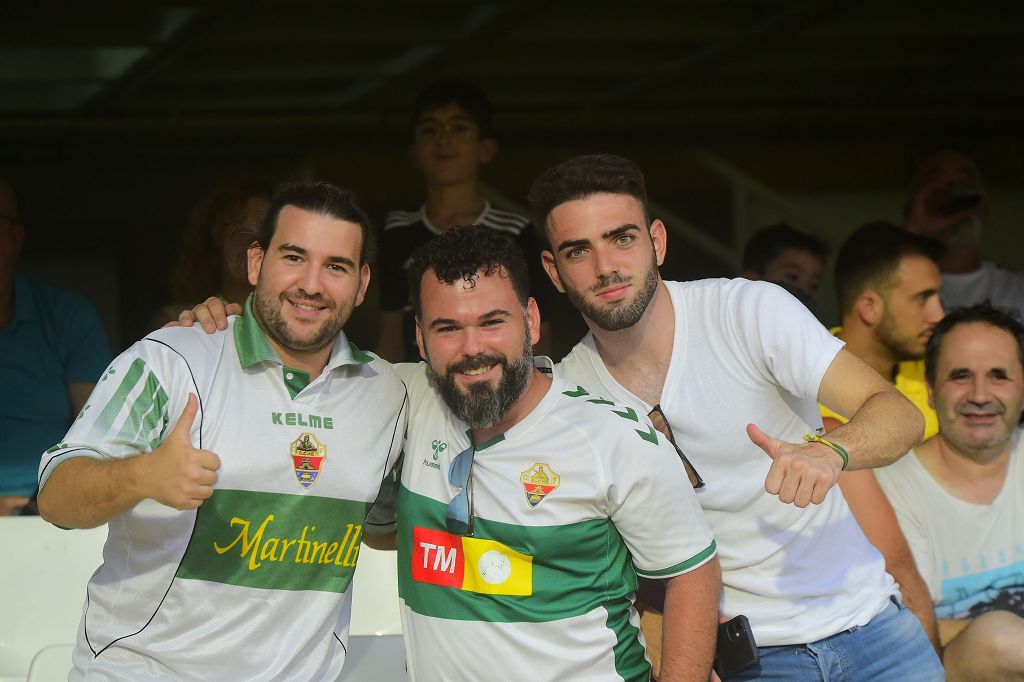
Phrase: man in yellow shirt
pixel 887 283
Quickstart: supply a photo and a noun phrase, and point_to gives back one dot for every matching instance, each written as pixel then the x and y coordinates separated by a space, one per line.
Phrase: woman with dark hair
pixel 212 260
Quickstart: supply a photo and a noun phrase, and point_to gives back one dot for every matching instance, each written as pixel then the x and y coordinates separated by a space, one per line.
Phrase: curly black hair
pixel 461 253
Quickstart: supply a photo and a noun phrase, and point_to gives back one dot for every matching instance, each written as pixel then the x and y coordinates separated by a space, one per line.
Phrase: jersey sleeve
pixel 129 412
pixel 653 506
pixel 83 342
pixel 785 342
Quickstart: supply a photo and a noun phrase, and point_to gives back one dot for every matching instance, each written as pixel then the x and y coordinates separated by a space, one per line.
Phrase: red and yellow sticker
pixel 471 564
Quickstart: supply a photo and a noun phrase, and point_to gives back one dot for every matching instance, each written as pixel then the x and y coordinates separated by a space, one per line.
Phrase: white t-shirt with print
pixel 970 555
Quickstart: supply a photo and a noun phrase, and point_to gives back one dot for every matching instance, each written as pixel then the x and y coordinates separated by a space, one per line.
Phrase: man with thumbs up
pixel 236 470
pixel 734 370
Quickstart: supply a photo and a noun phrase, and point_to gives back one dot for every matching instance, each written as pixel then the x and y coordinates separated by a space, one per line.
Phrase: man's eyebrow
pixel 622 229
pixel 342 260
pixel 292 248
pixel 489 315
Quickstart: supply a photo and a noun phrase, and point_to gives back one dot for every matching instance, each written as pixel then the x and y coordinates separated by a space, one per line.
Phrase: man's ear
pixel 547 259
pixel 533 317
pixel 255 260
pixel 870 308
pixel 487 150
pixel 364 281
pixel 660 238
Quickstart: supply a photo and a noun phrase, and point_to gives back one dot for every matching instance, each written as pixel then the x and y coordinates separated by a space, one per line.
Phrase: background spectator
pixel 52 351
pixel 960 495
pixel 888 289
pixel 452 138
pixel 786 256
pixel 947 200
pixel 212 260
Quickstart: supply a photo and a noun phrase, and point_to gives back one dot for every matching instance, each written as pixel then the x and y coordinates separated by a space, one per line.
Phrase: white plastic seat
pixel 42 589
pixel 51 663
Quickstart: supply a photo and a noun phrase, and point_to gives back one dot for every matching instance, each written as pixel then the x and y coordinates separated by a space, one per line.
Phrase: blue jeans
pixel 892 646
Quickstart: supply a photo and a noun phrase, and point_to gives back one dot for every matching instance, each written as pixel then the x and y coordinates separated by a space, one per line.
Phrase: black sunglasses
pixel 657 418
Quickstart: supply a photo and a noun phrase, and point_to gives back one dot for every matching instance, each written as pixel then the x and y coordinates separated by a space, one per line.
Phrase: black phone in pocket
pixel 736 649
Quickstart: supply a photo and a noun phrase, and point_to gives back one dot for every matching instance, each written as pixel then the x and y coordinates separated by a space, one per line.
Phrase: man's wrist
pixel 137 475
pixel 838 449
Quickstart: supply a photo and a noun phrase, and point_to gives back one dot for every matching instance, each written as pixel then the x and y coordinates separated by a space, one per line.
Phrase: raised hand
pixel 800 473
pixel 177 474
pixel 211 314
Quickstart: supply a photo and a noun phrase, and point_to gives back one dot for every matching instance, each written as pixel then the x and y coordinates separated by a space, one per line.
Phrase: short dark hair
pixel 582 177
pixel 985 313
pixel 462 252
pixel 321 198
pixel 767 243
pixel 466 96
pixel 871 256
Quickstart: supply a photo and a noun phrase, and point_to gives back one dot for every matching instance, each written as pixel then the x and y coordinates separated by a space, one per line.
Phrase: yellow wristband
pixel 836 447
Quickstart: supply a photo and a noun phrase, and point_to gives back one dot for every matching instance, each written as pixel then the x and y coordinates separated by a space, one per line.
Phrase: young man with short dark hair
pixel 713 356
pixel 452 139
pixel 887 285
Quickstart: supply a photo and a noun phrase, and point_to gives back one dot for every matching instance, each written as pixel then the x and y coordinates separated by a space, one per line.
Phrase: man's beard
pixel 899 348
pixel 614 319
pixel 267 309
pixel 483 406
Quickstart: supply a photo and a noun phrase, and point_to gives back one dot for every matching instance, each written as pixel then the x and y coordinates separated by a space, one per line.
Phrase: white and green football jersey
pixel 255 583
pixel 569 505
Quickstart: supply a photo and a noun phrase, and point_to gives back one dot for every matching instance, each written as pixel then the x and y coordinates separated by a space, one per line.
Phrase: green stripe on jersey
pixel 682 566
pixel 630 661
pixel 275 541
pixel 137 409
pixel 577 567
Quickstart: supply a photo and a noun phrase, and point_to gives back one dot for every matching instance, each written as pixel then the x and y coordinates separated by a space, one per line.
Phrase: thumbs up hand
pixel 177 474
pixel 800 474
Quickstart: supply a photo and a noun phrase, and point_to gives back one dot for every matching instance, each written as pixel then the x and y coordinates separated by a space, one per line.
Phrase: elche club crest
pixel 538 481
pixel 308 455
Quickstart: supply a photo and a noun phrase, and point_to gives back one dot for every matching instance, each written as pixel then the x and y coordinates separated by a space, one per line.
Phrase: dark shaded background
pixel 115 118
